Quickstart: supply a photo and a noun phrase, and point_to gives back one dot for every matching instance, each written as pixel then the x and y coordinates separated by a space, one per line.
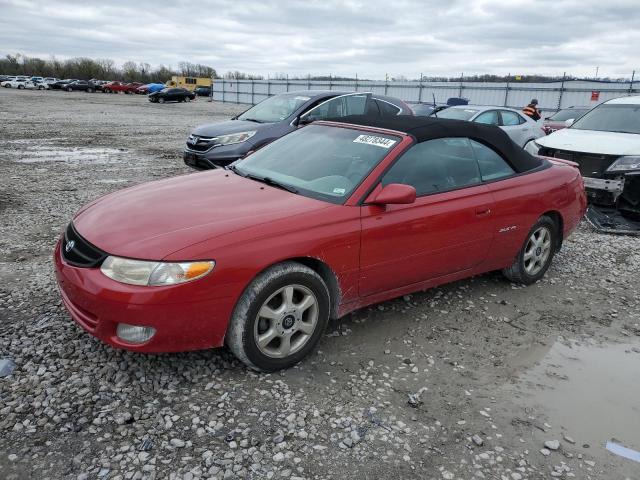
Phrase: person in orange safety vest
pixel 532 111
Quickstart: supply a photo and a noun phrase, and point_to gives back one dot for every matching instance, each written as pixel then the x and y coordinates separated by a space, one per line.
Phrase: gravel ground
pixel 456 382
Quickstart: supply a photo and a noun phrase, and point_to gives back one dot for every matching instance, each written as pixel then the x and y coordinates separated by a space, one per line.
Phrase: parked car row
pixel 328 202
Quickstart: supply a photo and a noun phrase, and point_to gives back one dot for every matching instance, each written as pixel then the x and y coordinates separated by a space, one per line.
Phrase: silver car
pixel 520 128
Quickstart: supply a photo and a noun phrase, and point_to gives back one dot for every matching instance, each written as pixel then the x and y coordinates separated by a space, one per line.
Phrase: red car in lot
pixel 115 87
pixel 328 219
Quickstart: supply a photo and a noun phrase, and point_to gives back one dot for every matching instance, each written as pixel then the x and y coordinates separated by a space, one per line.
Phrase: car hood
pixel 230 126
pixel 592 141
pixel 155 219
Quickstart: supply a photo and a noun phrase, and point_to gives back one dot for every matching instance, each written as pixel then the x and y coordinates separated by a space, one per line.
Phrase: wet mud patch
pixel 585 391
pixel 34 151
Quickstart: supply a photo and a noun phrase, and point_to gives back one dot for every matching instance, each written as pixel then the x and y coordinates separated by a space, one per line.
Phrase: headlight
pixel 532 147
pixel 624 164
pixel 140 272
pixel 234 138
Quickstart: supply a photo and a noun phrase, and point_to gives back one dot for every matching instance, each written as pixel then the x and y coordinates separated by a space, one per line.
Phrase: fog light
pixel 134 333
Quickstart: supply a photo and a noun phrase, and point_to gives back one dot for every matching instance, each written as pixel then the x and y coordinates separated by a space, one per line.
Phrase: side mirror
pixel 569 122
pixel 394 194
pixel 306 119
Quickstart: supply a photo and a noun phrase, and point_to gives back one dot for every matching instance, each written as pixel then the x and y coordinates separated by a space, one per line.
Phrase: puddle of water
pixel 28 152
pixel 591 392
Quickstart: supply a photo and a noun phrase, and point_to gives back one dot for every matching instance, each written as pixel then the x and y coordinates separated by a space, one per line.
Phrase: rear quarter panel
pixel 521 200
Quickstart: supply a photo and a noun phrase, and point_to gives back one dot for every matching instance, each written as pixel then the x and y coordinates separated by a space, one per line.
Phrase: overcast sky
pixel 369 38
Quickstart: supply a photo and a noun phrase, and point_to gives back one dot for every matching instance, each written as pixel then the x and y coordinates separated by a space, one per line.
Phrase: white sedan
pixel 605 143
pixel 22 84
pixel 520 128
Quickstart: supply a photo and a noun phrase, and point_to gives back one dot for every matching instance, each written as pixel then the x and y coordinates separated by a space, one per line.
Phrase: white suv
pixel 605 143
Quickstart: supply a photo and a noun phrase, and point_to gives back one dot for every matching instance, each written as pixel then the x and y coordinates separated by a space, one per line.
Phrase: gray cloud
pixel 370 38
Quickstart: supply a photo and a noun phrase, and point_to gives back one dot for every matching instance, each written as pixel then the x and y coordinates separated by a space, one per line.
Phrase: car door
pixel 515 126
pixel 489 117
pixel 446 230
pixel 342 106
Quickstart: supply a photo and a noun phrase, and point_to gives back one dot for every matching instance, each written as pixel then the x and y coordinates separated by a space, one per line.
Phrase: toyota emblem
pixel 70 244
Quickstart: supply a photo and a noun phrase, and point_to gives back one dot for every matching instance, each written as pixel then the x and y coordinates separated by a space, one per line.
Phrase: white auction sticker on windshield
pixel 373 140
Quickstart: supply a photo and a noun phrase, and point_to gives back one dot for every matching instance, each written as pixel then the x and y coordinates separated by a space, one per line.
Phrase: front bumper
pixel 218 157
pixel 183 320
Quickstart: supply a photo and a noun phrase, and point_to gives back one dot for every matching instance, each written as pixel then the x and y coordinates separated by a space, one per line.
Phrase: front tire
pixel 161 100
pixel 535 256
pixel 20 87
pixel 187 99
pixel 279 318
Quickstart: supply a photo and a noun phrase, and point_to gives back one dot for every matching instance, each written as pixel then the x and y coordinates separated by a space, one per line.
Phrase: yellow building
pixel 190 83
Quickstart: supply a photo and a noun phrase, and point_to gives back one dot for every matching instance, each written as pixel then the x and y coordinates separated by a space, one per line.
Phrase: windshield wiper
pixel 271 182
pixel 235 170
pixel 251 120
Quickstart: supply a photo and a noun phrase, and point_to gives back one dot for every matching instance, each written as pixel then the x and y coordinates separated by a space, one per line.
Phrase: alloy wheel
pixel 286 321
pixel 537 251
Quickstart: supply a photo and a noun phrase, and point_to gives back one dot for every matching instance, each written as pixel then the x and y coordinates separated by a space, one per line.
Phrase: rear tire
pixel 279 318
pixel 69 89
pixel 187 99
pixel 535 256
pixel 161 100
pixel 20 87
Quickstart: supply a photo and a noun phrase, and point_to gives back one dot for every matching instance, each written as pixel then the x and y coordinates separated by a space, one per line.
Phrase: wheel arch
pixel 556 216
pixel 321 268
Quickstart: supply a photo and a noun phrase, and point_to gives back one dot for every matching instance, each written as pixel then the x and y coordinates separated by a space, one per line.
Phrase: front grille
pixel 78 252
pixel 590 164
pixel 199 144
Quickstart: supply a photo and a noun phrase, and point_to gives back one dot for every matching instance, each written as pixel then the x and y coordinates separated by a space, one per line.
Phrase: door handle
pixel 483 211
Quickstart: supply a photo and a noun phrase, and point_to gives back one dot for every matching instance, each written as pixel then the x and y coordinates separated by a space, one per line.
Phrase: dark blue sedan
pixel 217 145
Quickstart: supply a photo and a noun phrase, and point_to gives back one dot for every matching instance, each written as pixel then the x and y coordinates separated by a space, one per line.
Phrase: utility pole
pixel 597 68
pixel 561 91
pixel 461 80
pixel 633 75
pixel 506 90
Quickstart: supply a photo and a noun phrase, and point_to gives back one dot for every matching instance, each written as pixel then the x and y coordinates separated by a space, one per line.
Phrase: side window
pixel 490 118
pixel 387 109
pixel 341 107
pixel 435 166
pixel 492 165
pixel 510 118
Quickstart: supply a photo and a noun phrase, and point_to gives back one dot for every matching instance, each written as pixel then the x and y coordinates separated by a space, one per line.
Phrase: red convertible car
pixel 328 219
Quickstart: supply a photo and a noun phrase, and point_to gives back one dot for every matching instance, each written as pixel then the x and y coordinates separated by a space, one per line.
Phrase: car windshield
pixel 611 118
pixel 274 109
pixel 456 113
pixel 319 161
pixel 568 113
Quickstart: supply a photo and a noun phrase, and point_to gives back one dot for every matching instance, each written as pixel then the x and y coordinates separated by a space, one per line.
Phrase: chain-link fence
pixel 551 95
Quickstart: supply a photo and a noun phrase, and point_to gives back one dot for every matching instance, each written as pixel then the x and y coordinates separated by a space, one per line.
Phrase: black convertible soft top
pixel 428 128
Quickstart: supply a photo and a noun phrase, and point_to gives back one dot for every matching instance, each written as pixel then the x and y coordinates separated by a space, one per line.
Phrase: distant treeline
pixel 106 69
pixel 102 69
